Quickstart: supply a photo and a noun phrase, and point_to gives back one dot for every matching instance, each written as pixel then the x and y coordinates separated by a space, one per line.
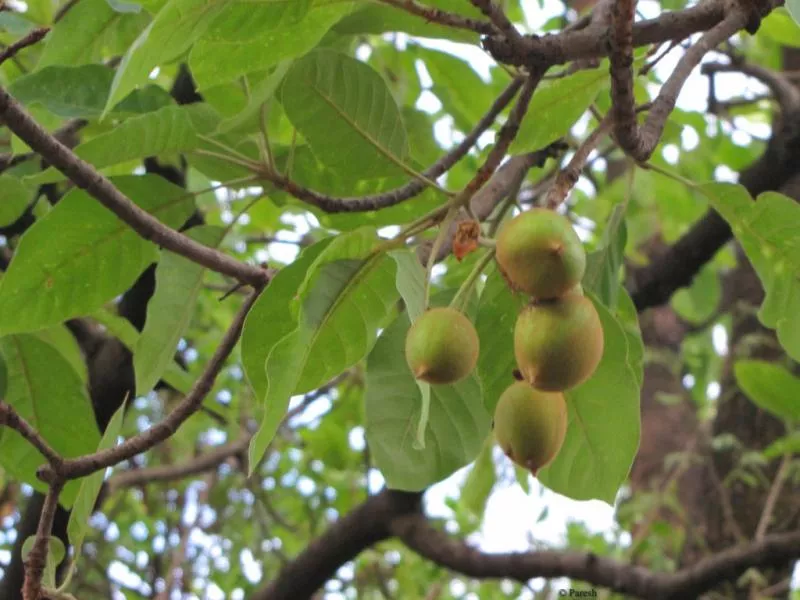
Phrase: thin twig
pixel 10 418
pixel 33 37
pixel 441 17
pixel 37 557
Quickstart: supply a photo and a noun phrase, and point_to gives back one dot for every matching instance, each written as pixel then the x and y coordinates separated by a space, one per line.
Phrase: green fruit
pixel 530 425
pixel 540 254
pixel 558 343
pixel 442 346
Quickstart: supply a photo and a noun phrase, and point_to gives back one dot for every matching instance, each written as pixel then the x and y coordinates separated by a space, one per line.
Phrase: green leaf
pixel 244 21
pixel 604 422
pixel 213 62
pixel 345 111
pixel 556 106
pixel 699 301
pixel 793 6
pixel 462 92
pixel 457 427
pixel 55 554
pixel 81 92
pixel 788 444
pixel 480 481
pixel 269 323
pixel 78 524
pixel 90 31
pixel 782 26
pixel 348 294
pixel 603 265
pixel 45 390
pixel 258 96
pixel 80 255
pixel 14 199
pixel 766 230
pixel 497 315
pixel 173 31
pixel 170 129
pixel 770 386
pixel 62 340
pixel 410 281
pixel 377 18
pixel 169 311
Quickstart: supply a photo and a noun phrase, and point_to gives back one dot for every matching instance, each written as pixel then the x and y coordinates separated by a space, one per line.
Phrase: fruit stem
pixel 459 300
pixel 444 228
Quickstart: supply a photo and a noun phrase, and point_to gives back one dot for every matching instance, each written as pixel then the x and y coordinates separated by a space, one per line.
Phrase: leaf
pixel 45 390
pixel 457 427
pixel 81 92
pixel 348 294
pixel 78 524
pixel 80 255
pixel 480 481
pixel 410 281
pixel 169 311
pixel 699 301
pixel 604 423
pixel 173 31
pixel 767 231
pixel 782 26
pixel 793 6
pixel 62 340
pixel 264 337
pixel 89 32
pixel 244 21
pixel 377 18
pixel 769 386
pixel 498 309
pixel 214 62
pixel 556 106
pixel 55 554
pixel 603 265
pixel 170 129
pixel 14 199
pixel 258 96
pixel 345 111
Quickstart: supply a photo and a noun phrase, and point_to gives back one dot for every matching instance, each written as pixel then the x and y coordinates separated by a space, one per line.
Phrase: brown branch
pixel 640 142
pixel 499 19
pixel 419 535
pixel 29 40
pixel 361 528
pixel 85 465
pixel 386 199
pixel 441 17
pixel 162 473
pixel 10 418
pixel 504 181
pixel 591 41
pixel 37 558
pixel 784 91
pixel 85 176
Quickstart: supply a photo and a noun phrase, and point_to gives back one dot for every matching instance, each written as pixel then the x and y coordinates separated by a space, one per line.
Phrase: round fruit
pixel 540 253
pixel 530 425
pixel 558 343
pixel 442 346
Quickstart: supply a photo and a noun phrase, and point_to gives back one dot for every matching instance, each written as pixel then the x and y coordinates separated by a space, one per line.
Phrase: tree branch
pixel 641 142
pixel 441 17
pixel 419 535
pixel 361 528
pixel 85 465
pixel 10 418
pixel 96 185
pixel 330 204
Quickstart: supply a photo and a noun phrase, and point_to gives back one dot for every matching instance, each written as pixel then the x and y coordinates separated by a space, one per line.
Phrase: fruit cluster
pixel 558 337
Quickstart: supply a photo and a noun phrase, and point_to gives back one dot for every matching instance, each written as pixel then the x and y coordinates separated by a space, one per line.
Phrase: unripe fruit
pixel 530 425
pixel 558 343
pixel 540 254
pixel 442 346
